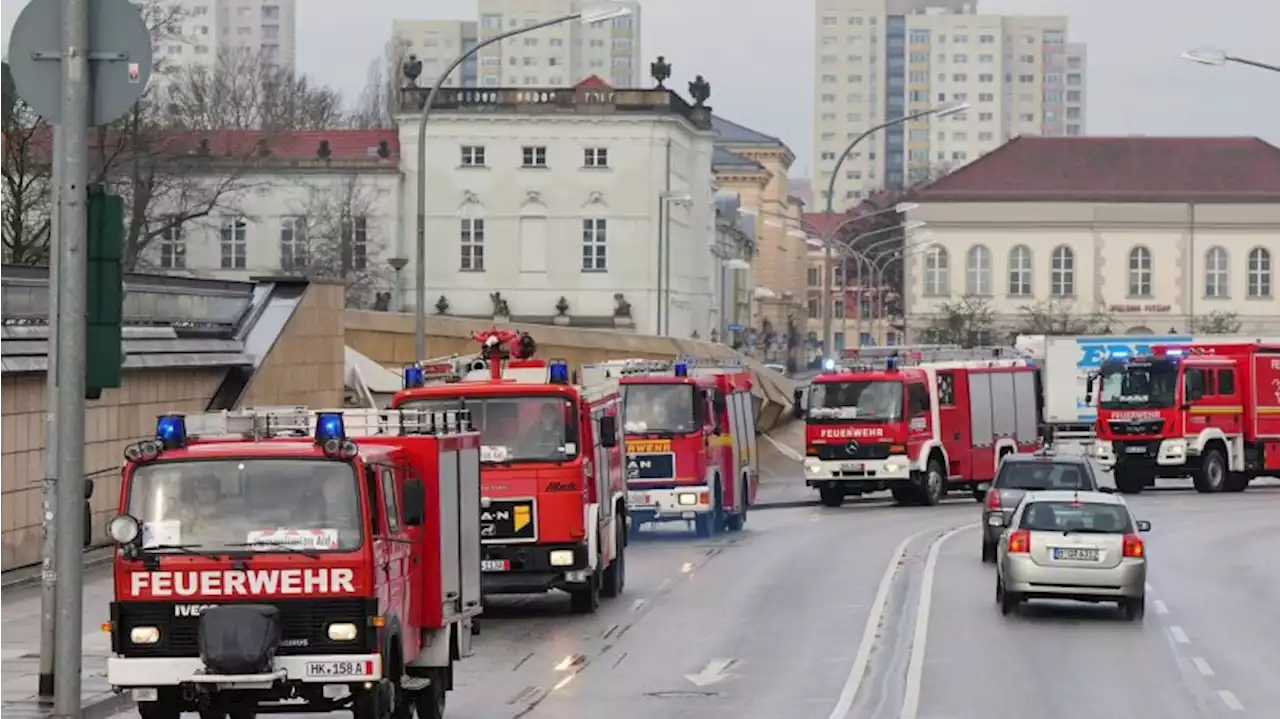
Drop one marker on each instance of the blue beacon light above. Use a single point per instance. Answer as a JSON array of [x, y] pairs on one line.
[[171, 430], [558, 372], [413, 376], [891, 364], [329, 425], [682, 369]]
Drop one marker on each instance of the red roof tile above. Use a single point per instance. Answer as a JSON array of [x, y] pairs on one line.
[[1117, 169], [593, 82]]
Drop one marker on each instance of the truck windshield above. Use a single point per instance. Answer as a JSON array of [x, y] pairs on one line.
[[1138, 385], [869, 400], [526, 428], [260, 505], [659, 408]]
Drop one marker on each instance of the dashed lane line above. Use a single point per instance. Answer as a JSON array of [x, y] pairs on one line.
[[915, 666], [1230, 700], [1161, 607], [1179, 635], [1202, 666]]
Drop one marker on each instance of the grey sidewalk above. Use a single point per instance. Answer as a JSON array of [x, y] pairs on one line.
[[20, 648]]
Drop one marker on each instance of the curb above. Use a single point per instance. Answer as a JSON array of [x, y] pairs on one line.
[[30, 575], [790, 504], [103, 706]]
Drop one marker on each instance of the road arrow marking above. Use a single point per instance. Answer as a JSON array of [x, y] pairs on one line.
[[712, 673]]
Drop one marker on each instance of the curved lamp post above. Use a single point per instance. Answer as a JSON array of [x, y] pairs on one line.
[[587, 16], [1218, 58], [940, 111]]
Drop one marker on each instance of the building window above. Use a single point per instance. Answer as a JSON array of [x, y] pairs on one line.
[[173, 248], [812, 307], [472, 244], [837, 309], [354, 243], [1259, 272], [814, 276], [1020, 271], [1139, 272], [977, 279], [595, 253], [293, 244], [473, 155], [535, 156], [1062, 272], [234, 245], [937, 273], [595, 157], [1215, 273]]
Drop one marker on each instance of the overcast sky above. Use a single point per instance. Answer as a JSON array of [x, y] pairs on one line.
[[758, 57]]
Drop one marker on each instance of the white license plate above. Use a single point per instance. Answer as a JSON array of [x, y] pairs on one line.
[[851, 467], [1136, 450], [495, 565], [339, 669], [147, 694], [1075, 554]]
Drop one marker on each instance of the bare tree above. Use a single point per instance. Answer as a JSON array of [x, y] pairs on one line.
[[968, 321], [1060, 318], [335, 233], [1217, 323], [376, 106], [246, 89], [27, 180]]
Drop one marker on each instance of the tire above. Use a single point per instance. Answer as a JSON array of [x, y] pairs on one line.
[[735, 521], [615, 575], [1009, 601], [1129, 483], [903, 493], [988, 552], [831, 496], [1236, 482], [1134, 608], [1213, 473], [586, 600], [704, 526], [366, 705], [933, 485], [165, 708], [429, 703]]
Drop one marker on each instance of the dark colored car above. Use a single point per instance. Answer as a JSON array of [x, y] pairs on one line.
[[1042, 471]]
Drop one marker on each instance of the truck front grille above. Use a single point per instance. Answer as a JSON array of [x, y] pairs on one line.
[[840, 452]]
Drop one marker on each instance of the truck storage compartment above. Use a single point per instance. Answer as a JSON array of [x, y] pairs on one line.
[[239, 638]]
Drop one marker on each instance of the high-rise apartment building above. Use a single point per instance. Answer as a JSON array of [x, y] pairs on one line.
[[212, 26], [558, 56], [877, 60]]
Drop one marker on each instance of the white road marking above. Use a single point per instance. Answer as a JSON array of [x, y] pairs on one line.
[[1203, 666], [784, 449], [915, 666], [635, 607], [1161, 608], [867, 643], [665, 583], [715, 671], [1230, 700], [1179, 635]]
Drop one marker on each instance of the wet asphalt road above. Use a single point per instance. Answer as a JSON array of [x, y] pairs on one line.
[[794, 618]]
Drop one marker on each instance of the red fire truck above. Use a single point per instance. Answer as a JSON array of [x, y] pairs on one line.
[[553, 507], [1208, 410], [938, 420], [266, 557], [690, 436]]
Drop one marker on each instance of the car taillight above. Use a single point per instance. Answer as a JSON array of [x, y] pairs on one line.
[[1020, 541], [993, 498], [1133, 546]]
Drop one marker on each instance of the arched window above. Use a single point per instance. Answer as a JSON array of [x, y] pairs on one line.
[[937, 272], [1062, 272], [1139, 272], [1020, 271], [1215, 273], [1259, 272], [977, 277]]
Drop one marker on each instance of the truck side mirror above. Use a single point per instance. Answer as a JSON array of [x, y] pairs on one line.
[[88, 488], [797, 403], [608, 431], [88, 523], [414, 503]]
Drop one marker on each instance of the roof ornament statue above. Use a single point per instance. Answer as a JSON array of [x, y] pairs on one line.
[[412, 68], [660, 70], [700, 91]]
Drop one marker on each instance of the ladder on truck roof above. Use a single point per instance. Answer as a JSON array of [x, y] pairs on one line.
[[272, 422], [930, 354], [879, 352]]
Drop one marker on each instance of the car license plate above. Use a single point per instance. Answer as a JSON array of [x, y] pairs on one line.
[[339, 669], [495, 565], [145, 694], [851, 467], [1075, 554], [1136, 450]]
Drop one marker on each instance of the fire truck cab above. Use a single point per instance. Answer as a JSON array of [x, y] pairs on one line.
[[1208, 410], [553, 511], [690, 441], [918, 424], [269, 561]]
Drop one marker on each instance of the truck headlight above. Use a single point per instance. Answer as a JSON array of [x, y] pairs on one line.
[[342, 632], [687, 499], [561, 558], [144, 635], [892, 467], [813, 467]]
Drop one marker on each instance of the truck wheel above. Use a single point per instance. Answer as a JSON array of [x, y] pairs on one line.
[[1130, 483], [1236, 482], [366, 704], [586, 600], [903, 493], [933, 485], [615, 575], [166, 707], [734, 522], [1212, 474], [430, 702], [831, 496]]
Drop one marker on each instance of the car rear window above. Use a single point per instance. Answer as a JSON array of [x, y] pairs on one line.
[[1075, 517], [1066, 476]]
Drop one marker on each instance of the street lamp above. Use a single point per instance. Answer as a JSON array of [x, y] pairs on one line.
[[587, 16], [1219, 58], [947, 108], [667, 198]]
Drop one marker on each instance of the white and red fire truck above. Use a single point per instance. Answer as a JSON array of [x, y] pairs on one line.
[[918, 424]]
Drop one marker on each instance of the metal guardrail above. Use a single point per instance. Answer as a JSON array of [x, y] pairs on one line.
[[149, 300]]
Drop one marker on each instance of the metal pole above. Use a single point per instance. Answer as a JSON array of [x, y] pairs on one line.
[[662, 209], [666, 272], [72, 306], [48, 492], [1253, 63], [420, 255]]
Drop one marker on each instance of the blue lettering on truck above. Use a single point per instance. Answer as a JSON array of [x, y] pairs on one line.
[[1094, 350]]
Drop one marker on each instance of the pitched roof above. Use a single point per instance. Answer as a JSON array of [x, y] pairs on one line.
[[1117, 169], [731, 133], [593, 82], [283, 146], [721, 157]]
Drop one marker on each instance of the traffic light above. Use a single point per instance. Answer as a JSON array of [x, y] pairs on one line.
[[103, 350]]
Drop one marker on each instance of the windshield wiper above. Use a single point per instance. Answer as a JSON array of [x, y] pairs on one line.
[[295, 550], [181, 548]]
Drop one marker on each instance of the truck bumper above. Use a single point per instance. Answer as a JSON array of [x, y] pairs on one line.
[[138, 672], [532, 568], [817, 473], [1146, 454], [669, 505]]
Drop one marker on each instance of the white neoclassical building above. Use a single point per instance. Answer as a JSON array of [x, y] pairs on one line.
[[1147, 234]]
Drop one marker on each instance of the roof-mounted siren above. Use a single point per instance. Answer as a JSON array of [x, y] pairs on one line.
[[891, 363], [413, 376], [557, 371], [331, 435], [171, 431], [681, 369]]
